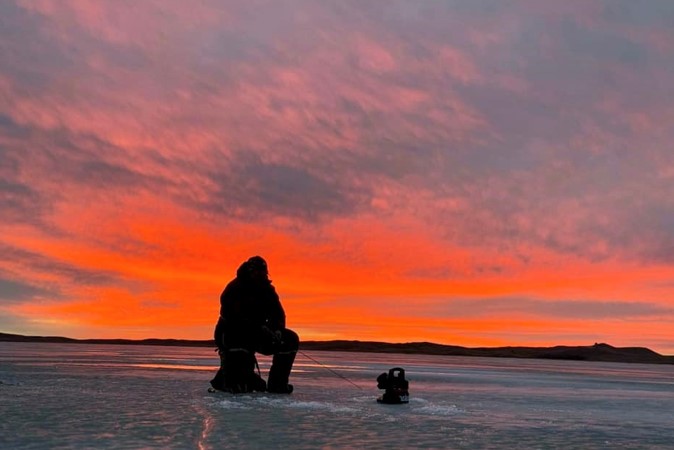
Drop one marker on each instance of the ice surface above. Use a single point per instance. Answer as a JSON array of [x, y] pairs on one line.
[[104, 396]]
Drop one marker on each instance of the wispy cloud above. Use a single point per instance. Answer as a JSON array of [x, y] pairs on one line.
[[552, 309], [13, 291], [477, 148]]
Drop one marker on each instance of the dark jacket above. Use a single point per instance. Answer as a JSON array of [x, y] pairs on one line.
[[246, 307]]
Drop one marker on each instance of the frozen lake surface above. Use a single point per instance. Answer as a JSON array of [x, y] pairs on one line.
[[107, 396]]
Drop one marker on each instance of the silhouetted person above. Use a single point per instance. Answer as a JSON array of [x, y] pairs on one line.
[[253, 320]]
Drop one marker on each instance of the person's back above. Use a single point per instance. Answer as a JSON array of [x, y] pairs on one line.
[[252, 320], [250, 302]]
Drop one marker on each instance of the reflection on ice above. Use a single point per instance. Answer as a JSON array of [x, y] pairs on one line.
[[169, 366]]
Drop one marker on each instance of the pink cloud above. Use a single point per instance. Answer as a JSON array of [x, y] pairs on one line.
[[433, 150]]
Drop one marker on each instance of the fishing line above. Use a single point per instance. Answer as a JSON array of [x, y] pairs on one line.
[[327, 368]]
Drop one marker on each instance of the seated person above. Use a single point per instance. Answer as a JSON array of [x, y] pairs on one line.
[[253, 320]]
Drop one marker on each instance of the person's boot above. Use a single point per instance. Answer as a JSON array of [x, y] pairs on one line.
[[240, 368], [219, 381], [281, 365], [256, 383]]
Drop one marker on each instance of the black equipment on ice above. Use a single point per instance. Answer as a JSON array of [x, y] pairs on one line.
[[396, 386]]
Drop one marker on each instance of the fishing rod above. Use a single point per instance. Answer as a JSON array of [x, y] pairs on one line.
[[327, 368]]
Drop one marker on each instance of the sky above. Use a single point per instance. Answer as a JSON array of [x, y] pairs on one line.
[[474, 173]]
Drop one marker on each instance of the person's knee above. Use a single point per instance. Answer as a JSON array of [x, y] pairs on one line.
[[291, 339]]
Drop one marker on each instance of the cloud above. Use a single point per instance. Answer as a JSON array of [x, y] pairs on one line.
[[628, 13], [15, 291], [426, 144], [517, 124], [25, 261], [19, 201], [558, 309], [251, 188]]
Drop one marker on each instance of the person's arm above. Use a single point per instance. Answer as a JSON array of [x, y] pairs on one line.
[[232, 308], [276, 315]]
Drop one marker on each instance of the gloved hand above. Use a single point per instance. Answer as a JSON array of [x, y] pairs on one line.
[[274, 335]]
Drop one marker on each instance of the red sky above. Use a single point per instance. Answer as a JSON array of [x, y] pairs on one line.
[[474, 173]]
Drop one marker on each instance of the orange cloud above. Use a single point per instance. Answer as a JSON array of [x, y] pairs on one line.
[[453, 174]]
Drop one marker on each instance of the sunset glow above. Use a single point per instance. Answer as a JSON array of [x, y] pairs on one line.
[[474, 173]]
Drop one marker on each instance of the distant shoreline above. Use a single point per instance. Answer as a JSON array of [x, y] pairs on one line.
[[596, 352]]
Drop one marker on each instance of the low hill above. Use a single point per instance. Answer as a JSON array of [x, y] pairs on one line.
[[64, 340], [596, 352]]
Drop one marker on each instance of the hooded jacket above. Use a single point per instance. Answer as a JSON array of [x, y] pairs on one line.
[[247, 305]]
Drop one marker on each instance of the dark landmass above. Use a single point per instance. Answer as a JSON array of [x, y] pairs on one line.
[[596, 352], [64, 340]]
